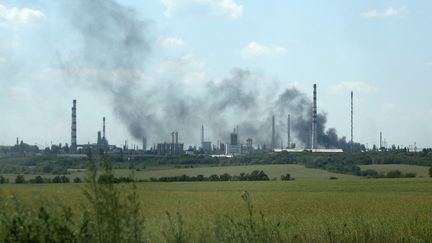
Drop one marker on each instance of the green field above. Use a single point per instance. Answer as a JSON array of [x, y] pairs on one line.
[[311, 210], [299, 172]]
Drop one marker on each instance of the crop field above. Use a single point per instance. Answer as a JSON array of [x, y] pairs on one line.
[[421, 171], [299, 172], [363, 210]]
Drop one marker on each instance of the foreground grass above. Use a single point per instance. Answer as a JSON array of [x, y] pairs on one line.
[[384, 210]]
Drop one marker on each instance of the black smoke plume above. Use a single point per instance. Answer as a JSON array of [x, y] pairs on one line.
[[115, 46]]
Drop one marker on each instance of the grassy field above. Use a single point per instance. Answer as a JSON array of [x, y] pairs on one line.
[[421, 171], [299, 172], [311, 210]]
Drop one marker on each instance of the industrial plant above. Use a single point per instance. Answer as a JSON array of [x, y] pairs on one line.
[[235, 145]]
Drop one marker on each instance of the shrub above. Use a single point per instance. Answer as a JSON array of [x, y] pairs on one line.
[[3, 180], [286, 177], [20, 179], [410, 175], [394, 174], [370, 173]]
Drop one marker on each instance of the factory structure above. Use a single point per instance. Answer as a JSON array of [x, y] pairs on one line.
[[231, 148]]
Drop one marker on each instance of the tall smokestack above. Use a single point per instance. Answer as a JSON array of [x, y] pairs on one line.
[[273, 142], [314, 118], [176, 147], [103, 128], [202, 134], [289, 132], [380, 141], [172, 137], [352, 121], [144, 144], [74, 129], [237, 131]]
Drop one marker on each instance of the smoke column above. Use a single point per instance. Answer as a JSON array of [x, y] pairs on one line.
[[114, 50]]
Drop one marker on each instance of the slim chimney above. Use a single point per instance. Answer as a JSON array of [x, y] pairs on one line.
[[289, 131], [202, 134], [103, 129], [172, 137], [352, 121], [237, 131], [273, 144], [144, 144], [314, 119], [74, 129], [381, 145], [176, 147]]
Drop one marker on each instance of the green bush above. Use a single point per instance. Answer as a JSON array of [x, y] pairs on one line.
[[3, 180], [20, 179]]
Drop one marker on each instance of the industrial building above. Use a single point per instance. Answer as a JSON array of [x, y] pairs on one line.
[[233, 147], [173, 148], [205, 145]]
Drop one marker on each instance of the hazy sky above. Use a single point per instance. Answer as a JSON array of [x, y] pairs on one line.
[[382, 50]]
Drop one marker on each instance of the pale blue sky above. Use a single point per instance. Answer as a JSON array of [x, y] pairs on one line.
[[380, 49]]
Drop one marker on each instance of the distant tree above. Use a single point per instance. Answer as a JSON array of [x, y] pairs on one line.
[[3, 180], [77, 180], [263, 176], [410, 175], [64, 179], [286, 177], [38, 180], [370, 173], [56, 179], [214, 178], [19, 179], [225, 177], [394, 174]]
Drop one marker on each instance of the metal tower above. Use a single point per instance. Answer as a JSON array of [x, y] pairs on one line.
[[273, 144], [74, 129], [314, 118], [352, 121], [289, 132]]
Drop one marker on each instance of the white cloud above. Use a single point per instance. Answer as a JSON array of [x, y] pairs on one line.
[[220, 7], [19, 15], [3, 60], [390, 12], [255, 49], [20, 94], [388, 107], [187, 69], [356, 86], [171, 42]]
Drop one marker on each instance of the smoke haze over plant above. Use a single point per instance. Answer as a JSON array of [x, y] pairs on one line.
[[116, 45]]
